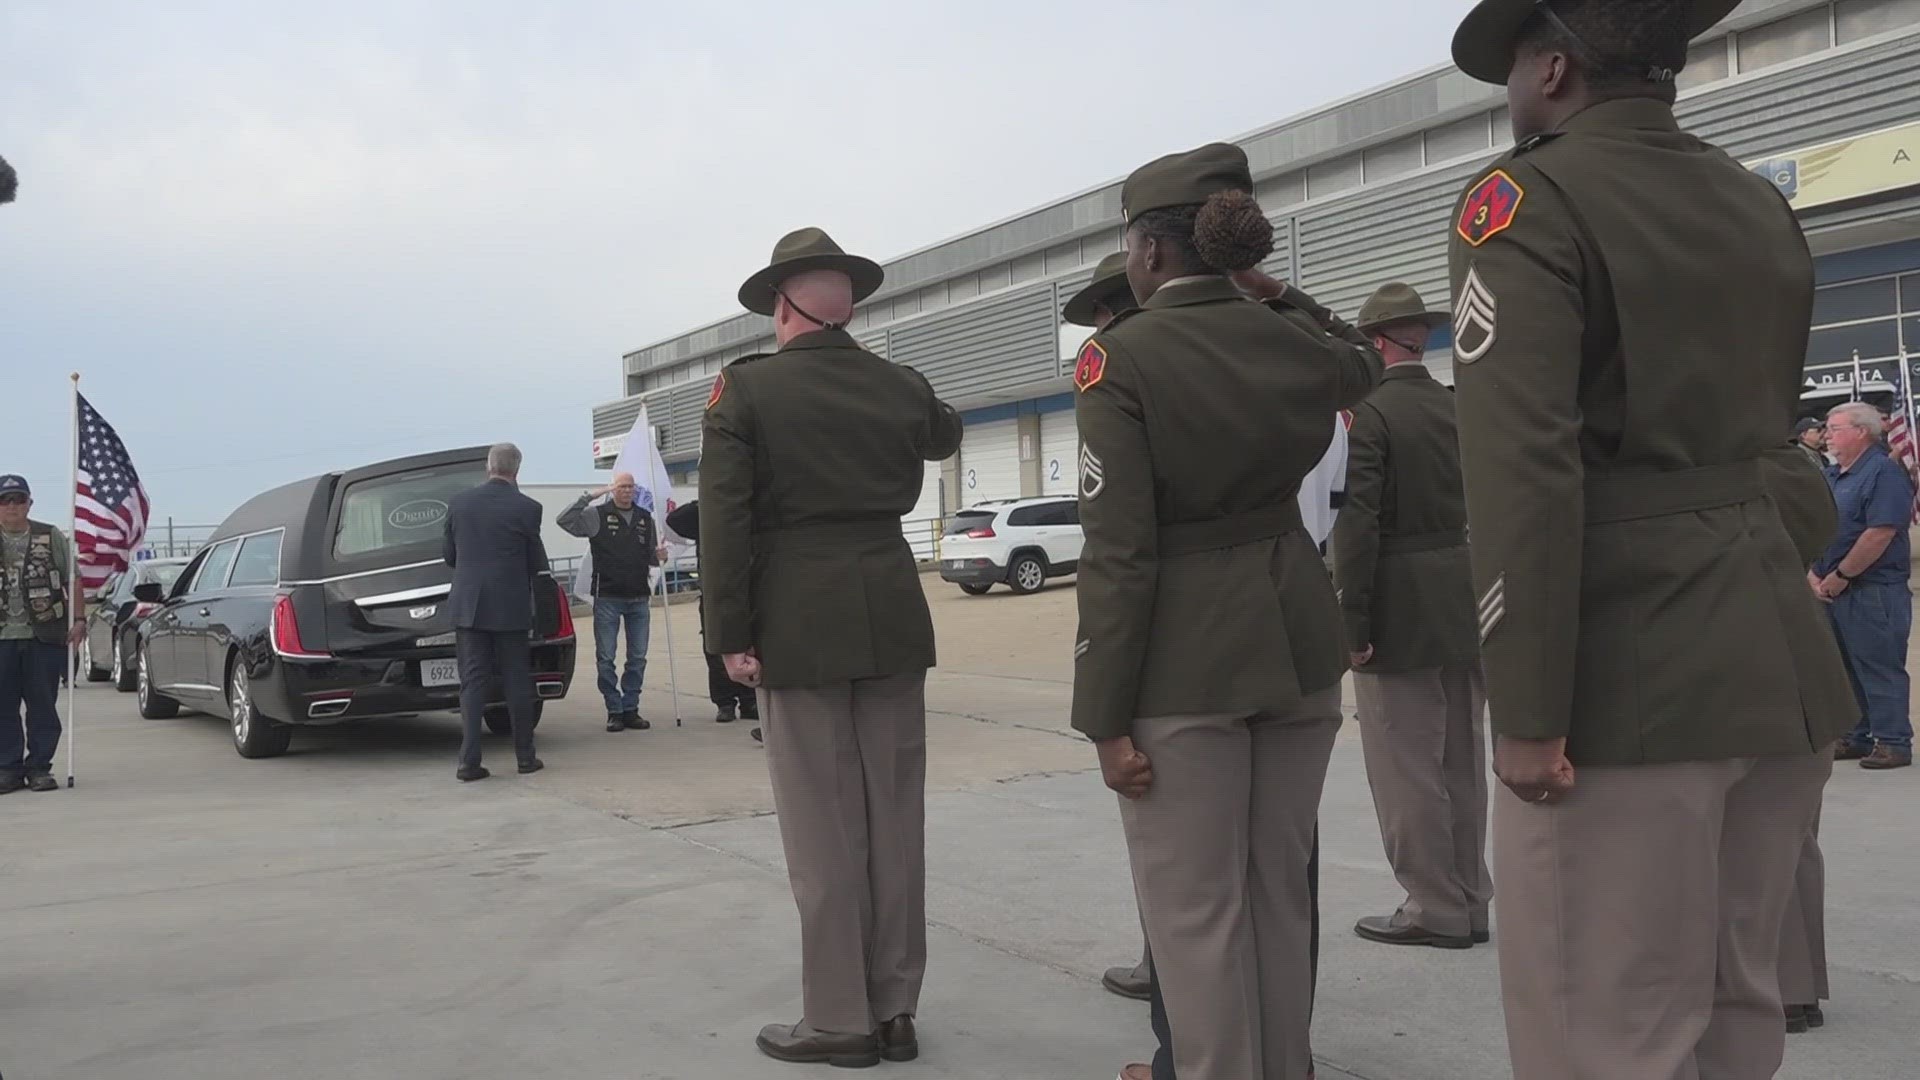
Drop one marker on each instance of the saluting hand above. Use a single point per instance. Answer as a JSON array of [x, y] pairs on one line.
[[1537, 770], [743, 668], [1124, 768], [1258, 284]]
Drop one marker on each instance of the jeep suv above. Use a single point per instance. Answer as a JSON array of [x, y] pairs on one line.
[[1019, 543]]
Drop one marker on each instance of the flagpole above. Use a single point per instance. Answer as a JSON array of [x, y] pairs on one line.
[[666, 616], [76, 591], [1856, 375]]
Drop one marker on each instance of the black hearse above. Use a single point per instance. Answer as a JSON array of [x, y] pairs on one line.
[[322, 602]]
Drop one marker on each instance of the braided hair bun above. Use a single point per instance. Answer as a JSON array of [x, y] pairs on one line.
[[1230, 232]]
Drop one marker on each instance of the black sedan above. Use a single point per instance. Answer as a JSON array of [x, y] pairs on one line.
[[111, 619]]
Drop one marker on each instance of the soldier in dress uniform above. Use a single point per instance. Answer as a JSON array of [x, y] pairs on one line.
[[1630, 321], [1203, 669], [1097, 303], [1406, 591], [810, 458]]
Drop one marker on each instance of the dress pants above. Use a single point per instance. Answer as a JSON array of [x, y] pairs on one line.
[[490, 659], [1803, 934], [1640, 918], [849, 770], [1221, 845], [1425, 741]]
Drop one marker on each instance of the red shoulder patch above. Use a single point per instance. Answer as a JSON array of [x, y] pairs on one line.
[[1490, 208], [1091, 367], [719, 388]]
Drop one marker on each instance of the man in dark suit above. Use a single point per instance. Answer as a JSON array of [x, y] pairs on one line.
[[493, 545]]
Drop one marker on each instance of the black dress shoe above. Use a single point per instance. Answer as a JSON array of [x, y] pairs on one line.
[[1816, 1018], [1128, 982], [634, 721], [531, 765], [1796, 1019], [726, 715], [806, 1045], [472, 772], [898, 1042], [1851, 751], [42, 782], [1481, 937], [10, 783], [616, 721], [1390, 930]]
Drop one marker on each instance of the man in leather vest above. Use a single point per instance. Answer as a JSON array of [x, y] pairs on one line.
[[1664, 703], [41, 617], [626, 547], [1406, 594]]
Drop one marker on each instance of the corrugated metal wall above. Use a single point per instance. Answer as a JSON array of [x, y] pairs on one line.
[[1398, 233], [1829, 98], [998, 344]]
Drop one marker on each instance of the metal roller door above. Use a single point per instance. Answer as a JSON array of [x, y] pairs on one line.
[[922, 524], [1059, 453], [990, 462]]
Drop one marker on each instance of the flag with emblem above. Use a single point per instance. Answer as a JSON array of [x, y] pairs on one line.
[[109, 503], [639, 455], [1900, 439]]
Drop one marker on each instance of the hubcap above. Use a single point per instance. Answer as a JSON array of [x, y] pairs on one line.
[[86, 657], [1030, 576], [119, 665], [145, 666], [242, 704]]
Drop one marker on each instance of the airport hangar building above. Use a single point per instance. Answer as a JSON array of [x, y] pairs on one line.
[[1822, 97]]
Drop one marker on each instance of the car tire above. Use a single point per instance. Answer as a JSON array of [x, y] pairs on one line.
[[254, 735], [153, 704], [125, 676], [1027, 574], [975, 590], [500, 721], [93, 674]]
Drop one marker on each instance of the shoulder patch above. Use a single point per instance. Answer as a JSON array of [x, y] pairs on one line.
[[719, 388], [1490, 208], [1091, 367]]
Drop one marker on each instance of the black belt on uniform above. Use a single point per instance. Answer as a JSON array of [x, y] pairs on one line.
[[1614, 497], [1188, 537], [1405, 543], [826, 534]]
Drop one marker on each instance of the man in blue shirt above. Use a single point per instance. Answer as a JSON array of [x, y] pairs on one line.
[[1863, 576]]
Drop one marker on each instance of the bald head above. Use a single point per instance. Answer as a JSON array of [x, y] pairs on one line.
[[826, 296], [624, 488]]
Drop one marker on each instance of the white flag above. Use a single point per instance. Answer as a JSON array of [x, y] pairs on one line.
[[639, 455]]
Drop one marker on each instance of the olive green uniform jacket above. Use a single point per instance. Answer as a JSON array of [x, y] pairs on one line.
[[810, 458], [1400, 542], [1631, 315], [1199, 590]]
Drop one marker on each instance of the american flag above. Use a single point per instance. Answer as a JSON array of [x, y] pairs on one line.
[[110, 505], [1900, 440]]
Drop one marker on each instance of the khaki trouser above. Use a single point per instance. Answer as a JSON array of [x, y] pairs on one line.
[[1640, 918], [849, 769], [1220, 847], [1803, 934], [1424, 734]]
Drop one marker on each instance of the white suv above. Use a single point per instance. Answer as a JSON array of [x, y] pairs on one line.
[[1019, 543]]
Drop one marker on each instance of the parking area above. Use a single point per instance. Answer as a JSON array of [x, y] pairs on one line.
[[350, 911]]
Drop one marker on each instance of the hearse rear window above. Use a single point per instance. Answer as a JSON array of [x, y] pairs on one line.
[[402, 510]]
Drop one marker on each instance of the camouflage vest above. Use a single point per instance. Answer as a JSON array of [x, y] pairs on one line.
[[42, 586]]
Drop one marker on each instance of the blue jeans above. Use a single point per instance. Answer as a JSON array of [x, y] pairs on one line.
[[609, 612], [30, 677], [1873, 622]]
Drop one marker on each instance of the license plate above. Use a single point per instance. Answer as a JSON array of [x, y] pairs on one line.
[[439, 673], [953, 564]]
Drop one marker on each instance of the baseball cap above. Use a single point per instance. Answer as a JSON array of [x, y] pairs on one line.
[[1806, 424], [15, 484]]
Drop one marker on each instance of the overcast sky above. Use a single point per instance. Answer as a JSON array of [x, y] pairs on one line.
[[281, 238]]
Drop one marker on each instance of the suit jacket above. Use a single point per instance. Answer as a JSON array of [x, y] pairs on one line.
[[493, 544], [810, 458], [1628, 347], [1200, 590], [1400, 544]]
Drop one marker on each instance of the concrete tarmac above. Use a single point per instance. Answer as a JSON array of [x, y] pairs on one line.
[[350, 911]]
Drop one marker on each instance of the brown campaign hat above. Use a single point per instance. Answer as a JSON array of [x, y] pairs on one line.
[[1109, 287], [1185, 179], [1397, 302], [1483, 45], [803, 250]]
